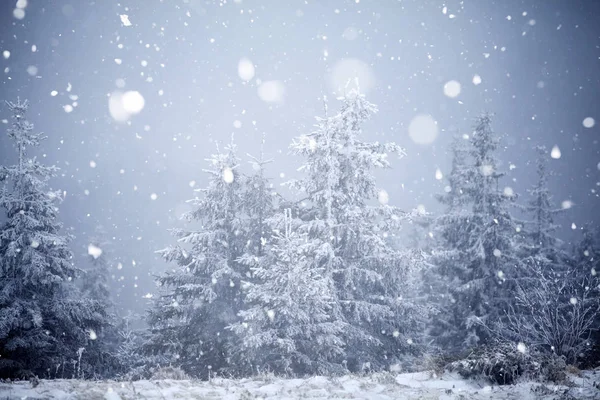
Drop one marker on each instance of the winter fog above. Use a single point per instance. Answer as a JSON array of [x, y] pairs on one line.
[[233, 188]]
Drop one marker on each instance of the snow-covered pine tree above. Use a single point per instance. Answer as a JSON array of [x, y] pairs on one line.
[[447, 265], [44, 322], [487, 289], [95, 286], [541, 249], [202, 295], [97, 273], [585, 276], [289, 326], [479, 255], [258, 204], [339, 187]]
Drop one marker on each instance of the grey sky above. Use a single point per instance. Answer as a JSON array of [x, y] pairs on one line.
[[538, 62]]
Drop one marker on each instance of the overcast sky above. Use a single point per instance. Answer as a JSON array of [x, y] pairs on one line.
[[210, 69]]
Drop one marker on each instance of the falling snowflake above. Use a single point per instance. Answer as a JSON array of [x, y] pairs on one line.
[[125, 19]]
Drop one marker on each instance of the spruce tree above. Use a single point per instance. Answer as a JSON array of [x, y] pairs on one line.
[[97, 273], [446, 268], [95, 286], [289, 326], [45, 325], [487, 290], [557, 304], [479, 257], [369, 275], [202, 296], [258, 204]]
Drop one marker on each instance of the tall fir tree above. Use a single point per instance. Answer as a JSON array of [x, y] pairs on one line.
[[542, 313], [479, 256], [541, 247], [450, 234], [97, 274], [95, 286], [289, 325], [488, 290], [258, 203], [369, 275], [45, 325], [202, 296]]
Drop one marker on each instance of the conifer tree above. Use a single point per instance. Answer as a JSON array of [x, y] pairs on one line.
[[258, 204], [479, 257], [202, 295], [289, 325], [97, 273], [488, 290], [540, 230], [450, 233], [45, 324], [95, 286], [369, 274]]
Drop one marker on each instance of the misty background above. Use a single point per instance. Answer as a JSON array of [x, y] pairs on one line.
[[534, 64]]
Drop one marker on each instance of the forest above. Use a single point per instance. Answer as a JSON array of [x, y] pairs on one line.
[[325, 285], [299, 199]]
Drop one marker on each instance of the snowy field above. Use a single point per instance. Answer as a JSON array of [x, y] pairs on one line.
[[375, 387]]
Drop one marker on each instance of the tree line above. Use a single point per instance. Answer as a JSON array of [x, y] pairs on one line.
[[323, 282]]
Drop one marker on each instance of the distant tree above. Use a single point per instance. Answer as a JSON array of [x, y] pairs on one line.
[[97, 274], [95, 286], [556, 308], [45, 324], [258, 204], [585, 276], [479, 258], [289, 326], [541, 246], [202, 295], [368, 273], [450, 235]]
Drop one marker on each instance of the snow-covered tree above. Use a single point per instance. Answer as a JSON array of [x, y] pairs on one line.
[[480, 256], [97, 273], [202, 295], [290, 326], [450, 235], [555, 308], [44, 322], [338, 190], [542, 247], [585, 276], [586, 269], [258, 204]]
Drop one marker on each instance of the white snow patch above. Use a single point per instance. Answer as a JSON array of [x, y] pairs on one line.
[[379, 386]]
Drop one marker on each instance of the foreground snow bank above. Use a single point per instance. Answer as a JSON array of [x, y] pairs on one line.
[[374, 387]]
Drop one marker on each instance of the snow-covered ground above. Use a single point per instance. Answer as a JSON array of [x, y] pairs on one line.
[[374, 387]]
